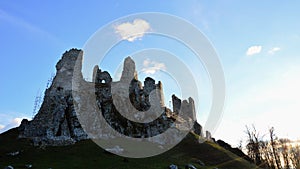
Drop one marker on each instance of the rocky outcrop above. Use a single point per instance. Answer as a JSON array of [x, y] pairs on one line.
[[57, 122]]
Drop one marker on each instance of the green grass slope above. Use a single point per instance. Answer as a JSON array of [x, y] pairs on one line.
[[87, 155]]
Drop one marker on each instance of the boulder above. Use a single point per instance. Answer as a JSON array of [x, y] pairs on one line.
[[9, 167], [201, 163], [173, 166], [190, 166], [28, 166]]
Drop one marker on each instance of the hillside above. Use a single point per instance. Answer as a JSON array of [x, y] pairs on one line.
[[74, 110], [86, 154]]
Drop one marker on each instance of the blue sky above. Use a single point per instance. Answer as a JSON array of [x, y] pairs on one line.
[[258, 43]]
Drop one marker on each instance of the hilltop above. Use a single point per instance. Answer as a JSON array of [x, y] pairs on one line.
[[76, 111]]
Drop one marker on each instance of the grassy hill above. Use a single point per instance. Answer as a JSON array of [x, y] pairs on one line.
[[87, 155]]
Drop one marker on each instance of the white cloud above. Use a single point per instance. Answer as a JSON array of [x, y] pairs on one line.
[[253, 50], [132, 31], [151, 67], [14, 123], [273, 50]]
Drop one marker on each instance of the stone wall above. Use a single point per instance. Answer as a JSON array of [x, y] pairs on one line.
[[56, 122], [208, 136], [197, 128]]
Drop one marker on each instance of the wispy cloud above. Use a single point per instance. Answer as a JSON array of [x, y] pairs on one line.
[[274, 50], [23, 24], [14, 123], [151, 67], [253, 50], [132, 31]]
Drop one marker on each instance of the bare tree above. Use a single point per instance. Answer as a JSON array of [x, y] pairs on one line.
[[240, 145], [274, 145], [39, 97], [273, 153], [253, 145], [50, 80], [295, 156], [267, 154], [37, 103], [285, 152]]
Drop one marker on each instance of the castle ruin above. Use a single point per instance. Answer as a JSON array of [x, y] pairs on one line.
[[57, 122]]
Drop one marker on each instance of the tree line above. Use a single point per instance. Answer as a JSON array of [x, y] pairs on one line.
[[273, 152]]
